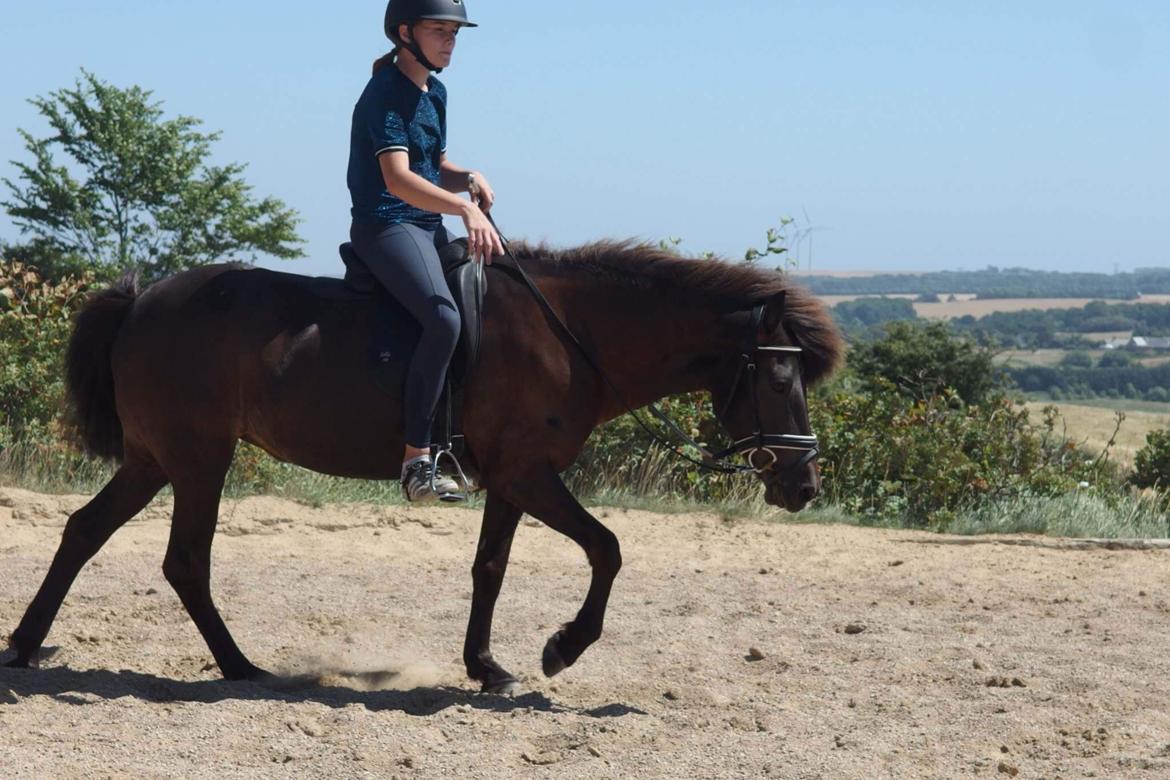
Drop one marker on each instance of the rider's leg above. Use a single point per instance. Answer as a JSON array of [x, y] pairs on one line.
[[405, 260]]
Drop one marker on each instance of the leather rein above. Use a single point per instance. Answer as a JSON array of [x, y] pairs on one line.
[[771, 444]]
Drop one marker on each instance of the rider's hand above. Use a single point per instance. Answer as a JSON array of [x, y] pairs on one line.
[[483, 242], [481, 191]]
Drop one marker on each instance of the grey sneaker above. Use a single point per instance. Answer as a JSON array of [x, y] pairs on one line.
[[418, 488]]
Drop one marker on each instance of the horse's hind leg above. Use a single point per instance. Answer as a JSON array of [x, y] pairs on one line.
[[187, 566], [136, 482]]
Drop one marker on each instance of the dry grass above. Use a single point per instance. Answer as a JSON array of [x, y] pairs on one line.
[[1094, 425]]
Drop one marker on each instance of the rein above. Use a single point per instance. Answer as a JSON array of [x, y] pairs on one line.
[[768, 443]]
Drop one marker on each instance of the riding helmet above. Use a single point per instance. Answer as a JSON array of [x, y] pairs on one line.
[[410, 11]]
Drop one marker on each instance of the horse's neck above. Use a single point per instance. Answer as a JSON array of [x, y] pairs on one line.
[[650, 345]]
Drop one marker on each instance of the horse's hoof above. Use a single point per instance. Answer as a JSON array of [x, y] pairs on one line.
[[18, 663], [252, 674], [506, 687], [551, 660]]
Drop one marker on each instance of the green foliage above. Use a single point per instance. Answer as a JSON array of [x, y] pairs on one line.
[[1151, 465], [923, 360], [617, 454], [1116, 358], [1077, 359], [886, 455], [778, 240], [862, 314], [135, 191], [35, 323]]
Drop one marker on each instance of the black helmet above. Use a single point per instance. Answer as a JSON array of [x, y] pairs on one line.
[[400, 12], [410, 11]]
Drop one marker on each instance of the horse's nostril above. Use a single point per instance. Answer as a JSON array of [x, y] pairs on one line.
[[808, 492]]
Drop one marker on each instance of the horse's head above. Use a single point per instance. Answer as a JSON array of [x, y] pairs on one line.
[[761, 402]]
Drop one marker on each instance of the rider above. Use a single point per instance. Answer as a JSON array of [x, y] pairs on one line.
[[401, 184]]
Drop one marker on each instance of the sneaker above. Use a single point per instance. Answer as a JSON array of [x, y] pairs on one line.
[[418, 488]]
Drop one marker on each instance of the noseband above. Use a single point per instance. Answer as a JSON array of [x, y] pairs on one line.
[[768, 443]]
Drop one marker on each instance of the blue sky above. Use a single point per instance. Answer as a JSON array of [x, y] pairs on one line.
[[913, 135]]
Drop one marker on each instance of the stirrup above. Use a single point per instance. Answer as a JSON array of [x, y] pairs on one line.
[[449, 498]]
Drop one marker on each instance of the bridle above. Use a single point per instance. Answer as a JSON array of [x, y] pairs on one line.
[[768, 443], [771, 444]]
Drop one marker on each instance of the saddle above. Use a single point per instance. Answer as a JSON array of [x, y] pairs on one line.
[[394, 334]]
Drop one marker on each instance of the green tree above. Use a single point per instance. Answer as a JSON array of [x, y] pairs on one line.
[[1115, 359], [1077, 359], [922, 360], [136, 191]]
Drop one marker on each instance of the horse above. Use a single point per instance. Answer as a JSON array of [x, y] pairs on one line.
[[166, 381]]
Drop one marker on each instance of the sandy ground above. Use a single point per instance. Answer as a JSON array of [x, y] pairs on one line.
[[884, 654]]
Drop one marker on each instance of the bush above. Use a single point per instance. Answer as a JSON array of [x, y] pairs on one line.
[[36, 318], [1115, 358], [922, 361], [1077, 359], [1151, 465], [885, 455]]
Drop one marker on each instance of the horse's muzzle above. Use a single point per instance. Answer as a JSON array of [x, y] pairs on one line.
[[794, 494]]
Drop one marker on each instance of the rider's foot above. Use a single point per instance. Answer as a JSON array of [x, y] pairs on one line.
[[419, 488]]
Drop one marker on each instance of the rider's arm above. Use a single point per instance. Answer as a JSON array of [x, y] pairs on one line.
[[452, 177], [406, 185]]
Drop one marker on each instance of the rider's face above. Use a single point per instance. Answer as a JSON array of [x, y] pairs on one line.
[[437, 40]]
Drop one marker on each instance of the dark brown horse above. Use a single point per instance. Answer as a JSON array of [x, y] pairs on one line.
[[167, 381]]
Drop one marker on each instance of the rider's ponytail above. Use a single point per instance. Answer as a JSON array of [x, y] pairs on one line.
[[385, 60]]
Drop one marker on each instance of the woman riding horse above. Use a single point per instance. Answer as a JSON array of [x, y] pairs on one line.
[[401, 183]]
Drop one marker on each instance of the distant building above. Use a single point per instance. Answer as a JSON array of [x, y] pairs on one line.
[[1149, 342]]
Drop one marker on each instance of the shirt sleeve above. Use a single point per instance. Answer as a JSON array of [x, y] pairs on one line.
[[388, 132]]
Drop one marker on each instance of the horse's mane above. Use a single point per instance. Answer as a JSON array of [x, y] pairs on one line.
[[738, 284]]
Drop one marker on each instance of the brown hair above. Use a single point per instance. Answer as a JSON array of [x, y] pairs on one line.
[[386, 59]]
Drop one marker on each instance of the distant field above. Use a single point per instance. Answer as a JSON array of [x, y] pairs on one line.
[[966, 304], [950, 311], [1092, 423], [1050, 358]]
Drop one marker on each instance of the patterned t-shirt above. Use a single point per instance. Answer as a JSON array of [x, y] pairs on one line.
[[393, 114]]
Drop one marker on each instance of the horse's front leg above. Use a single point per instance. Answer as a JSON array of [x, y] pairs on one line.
[[543, 495], [491, 561]]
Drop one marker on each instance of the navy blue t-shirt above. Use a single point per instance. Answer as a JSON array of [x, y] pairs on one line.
[[393, 114]]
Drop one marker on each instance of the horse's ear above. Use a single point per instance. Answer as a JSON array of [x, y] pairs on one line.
[[773, 313]]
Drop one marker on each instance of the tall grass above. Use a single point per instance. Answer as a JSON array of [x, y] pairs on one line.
[[1138, 515], [645, 484]]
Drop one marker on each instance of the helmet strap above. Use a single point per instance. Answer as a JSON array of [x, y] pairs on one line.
[[413, 47]]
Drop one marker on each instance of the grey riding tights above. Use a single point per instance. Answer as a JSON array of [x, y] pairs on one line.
[[405, 259]]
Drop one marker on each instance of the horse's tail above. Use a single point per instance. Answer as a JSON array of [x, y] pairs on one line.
[[89, 376]]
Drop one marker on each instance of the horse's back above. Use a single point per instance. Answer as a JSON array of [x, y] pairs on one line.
[[241, 350]]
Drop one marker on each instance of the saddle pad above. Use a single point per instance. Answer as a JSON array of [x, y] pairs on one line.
[[395, 333]]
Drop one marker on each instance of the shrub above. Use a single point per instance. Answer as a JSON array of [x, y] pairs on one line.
[[885, 455], [1115, 358], [35, 323], [1151, 465], [1077, 359], [921, 361]]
